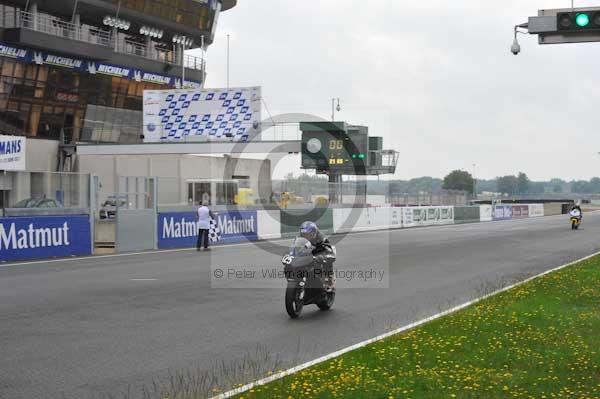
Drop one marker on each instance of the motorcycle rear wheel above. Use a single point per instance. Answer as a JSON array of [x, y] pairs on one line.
[[293, 303]]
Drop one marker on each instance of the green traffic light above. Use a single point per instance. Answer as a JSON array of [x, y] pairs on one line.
[[354, 156], [361, 156], [582, 20]]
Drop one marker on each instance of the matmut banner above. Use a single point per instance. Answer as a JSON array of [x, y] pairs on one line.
[[216, 114], [44, 237], [180, 229]]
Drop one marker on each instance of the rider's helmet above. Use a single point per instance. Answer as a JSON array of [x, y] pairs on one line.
[[309, 230]]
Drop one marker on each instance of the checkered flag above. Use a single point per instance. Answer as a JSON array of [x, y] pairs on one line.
[[214, 234]]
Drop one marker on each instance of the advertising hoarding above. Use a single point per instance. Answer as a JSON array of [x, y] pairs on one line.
[[12, 153], [91, 67], [44, 237], [180, 229], [502, 212], [520, 211]]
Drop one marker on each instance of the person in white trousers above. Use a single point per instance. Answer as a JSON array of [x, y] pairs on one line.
[[204, 216]]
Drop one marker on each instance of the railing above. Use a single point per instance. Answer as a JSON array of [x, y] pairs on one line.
[[167, 56], [56, 27], [192, 62], [89, 34], [134, 48]]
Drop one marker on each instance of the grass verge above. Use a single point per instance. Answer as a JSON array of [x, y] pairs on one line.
[[538, 340]]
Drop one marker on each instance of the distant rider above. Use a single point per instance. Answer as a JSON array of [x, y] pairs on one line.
[[577, 208], [322, 249]]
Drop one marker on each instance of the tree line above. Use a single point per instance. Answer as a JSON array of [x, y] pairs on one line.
[[519, 184]]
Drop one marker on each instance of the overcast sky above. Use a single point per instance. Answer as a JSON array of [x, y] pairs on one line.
[[435, 78]]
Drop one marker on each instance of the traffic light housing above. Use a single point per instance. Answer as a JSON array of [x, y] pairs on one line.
[[578, 21]]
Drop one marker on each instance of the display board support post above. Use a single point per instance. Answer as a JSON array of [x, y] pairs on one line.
[[335, 188]]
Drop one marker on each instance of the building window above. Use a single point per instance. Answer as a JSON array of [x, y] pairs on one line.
[[43, 100], [192, 13]]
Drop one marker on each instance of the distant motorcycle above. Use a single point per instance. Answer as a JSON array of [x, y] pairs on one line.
[[307, 282], [575, 219]]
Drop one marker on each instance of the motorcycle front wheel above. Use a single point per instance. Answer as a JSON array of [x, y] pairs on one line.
[[293, 302], [327, 303]]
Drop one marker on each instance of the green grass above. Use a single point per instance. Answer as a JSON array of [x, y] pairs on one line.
[[538, 340]]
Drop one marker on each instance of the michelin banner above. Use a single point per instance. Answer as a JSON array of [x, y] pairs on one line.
[[180, 229], [12, 153], [90, 66], [44, 237], [216, 115]]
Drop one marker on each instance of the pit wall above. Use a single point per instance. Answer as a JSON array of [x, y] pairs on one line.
[[468, 214], [552, 209], [486, 213], [366, 219], [356, 220], [70, 235], [44, 237]]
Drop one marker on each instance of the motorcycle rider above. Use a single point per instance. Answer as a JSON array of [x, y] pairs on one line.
[[322, 250], [576, 207]]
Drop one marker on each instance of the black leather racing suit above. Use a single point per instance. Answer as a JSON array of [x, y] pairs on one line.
[[323, 252]]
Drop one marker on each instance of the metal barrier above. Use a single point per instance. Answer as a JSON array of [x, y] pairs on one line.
[[136, 214]]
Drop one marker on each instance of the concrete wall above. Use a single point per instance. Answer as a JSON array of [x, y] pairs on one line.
[[467, 214], [269, 224], [42, 155], [485, 212], [552, 209], [173, 171]]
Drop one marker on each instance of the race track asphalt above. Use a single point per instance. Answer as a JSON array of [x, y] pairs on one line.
[[88, 327]]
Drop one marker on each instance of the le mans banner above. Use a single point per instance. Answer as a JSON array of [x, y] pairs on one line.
[[12, 153]]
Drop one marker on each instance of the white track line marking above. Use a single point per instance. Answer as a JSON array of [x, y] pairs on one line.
[[362, 344], [143, 279], [391, 231]]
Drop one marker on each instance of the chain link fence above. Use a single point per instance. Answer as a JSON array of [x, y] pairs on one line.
[[294, 194]]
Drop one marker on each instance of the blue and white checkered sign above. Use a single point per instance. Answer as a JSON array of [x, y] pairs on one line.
[[217, 114]]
